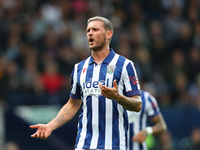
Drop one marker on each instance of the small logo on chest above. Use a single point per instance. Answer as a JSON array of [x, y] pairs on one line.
[[84, 69], [111, 69]]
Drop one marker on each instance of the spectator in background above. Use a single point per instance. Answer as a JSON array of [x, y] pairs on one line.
[[194, 91], [196, 36], [124, 46], [183, 41], [12, 146], [30, 72], [193, 63], [195, 139], [14, 41], [48, 46], [165, 142], [102, 7], [52, 14], [175, 65], [172, 23], [11, 83], [193, 14], [157, 44], [52, 80], [180, 95], [143, 62]]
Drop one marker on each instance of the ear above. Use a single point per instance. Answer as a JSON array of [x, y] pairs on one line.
[[109, 34]]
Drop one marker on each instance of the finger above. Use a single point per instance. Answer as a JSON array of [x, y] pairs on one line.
[[40, 133], [102, 87], [34, 135], [33, 126], [43, 134]]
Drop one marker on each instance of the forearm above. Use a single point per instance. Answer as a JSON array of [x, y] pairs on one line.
[[129, 103], [159, 127], [66, 113], [159, 124]]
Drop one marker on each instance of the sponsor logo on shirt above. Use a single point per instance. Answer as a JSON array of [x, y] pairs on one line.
[[92, 87]]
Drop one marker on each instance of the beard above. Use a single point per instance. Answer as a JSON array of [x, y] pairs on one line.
[[99, 46]]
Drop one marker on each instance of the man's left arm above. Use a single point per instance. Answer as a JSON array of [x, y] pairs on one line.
[[133, 103]]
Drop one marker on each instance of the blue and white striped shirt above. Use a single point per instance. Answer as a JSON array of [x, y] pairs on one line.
[[103, 123], [138, 121]]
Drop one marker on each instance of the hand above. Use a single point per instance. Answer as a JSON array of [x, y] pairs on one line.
[[140, 137], [43, 131], [110, 93]]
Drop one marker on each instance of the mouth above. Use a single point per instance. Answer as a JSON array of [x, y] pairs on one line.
[[91, 41]]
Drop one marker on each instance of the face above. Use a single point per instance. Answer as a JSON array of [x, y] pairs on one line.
[[96, 35]]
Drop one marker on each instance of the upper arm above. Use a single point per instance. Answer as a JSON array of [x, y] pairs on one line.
[[155, 119], [75, 103]]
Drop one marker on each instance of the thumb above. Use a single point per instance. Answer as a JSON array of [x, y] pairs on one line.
[[115, 84]]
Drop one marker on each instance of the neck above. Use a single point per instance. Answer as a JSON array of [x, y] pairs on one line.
[[99, 56]]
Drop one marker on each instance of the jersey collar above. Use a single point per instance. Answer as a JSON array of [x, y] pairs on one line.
[[107, 59]]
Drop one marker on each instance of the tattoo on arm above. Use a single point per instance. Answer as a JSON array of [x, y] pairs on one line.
[[160, 126], [61, 119], [128, 103], [66, 112]]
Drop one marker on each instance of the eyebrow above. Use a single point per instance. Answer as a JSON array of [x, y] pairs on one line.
[[94, 28]]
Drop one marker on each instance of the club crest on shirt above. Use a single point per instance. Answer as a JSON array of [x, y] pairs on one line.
[[111, 69]]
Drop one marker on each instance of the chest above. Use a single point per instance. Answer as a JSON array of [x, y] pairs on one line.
[[92, 75]]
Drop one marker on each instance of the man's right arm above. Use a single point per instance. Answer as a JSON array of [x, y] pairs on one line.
[[66, 113]]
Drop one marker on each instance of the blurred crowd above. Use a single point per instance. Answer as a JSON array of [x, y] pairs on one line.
[[41, 40]]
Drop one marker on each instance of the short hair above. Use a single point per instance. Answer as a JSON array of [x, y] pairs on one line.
[[107, 23]]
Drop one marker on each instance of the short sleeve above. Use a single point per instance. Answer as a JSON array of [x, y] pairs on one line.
[[130, 80], [152, 107], [75, 88]]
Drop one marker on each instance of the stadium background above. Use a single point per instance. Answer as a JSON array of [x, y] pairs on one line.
[[41, 40]]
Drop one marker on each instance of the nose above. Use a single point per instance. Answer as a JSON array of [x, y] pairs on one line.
[[89, 34]]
